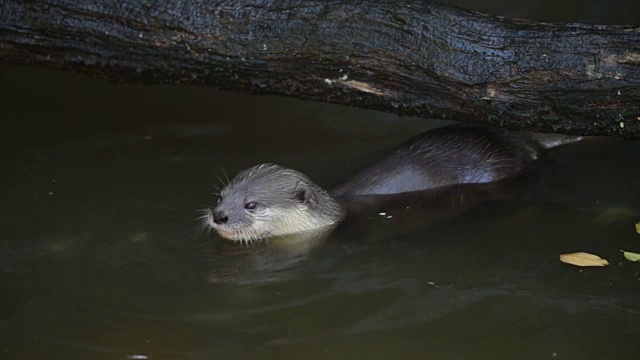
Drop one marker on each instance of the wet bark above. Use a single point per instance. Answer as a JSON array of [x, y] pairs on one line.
[[406, 56]]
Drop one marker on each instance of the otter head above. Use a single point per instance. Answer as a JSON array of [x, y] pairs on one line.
[[270, 200]]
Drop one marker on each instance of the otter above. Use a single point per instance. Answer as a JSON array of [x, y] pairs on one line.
[[270, 200]]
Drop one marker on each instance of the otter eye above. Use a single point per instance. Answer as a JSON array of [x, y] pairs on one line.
[[250, 205]]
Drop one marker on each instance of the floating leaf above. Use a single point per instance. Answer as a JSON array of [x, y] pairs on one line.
[[631, 256], [583, 259], [638, 227]]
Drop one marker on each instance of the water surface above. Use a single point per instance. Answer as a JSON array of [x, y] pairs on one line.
[[101, 257]]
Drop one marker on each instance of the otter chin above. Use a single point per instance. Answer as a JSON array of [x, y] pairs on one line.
[[270, 200]]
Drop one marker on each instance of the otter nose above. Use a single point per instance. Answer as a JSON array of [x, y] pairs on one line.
[[220, 216]]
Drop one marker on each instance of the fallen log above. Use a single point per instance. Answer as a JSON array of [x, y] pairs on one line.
[[408, 56]]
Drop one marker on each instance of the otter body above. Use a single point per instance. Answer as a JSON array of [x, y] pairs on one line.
[[456, 154], [270, 200]]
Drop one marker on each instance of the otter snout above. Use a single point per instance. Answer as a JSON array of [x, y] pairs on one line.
[[219, 216]]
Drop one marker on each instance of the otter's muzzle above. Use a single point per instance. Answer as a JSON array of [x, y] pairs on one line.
[[219, 216]]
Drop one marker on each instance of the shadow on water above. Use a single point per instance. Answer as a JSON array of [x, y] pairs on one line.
[[101, 257]]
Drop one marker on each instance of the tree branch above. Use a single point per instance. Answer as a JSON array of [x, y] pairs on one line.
[[407, 56]]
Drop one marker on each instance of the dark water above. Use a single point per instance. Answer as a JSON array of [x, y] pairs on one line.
[[101, 258]]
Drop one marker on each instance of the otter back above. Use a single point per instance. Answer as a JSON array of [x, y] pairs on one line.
[[456, 154]]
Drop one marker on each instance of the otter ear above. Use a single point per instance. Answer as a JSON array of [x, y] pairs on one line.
[[301, 193]]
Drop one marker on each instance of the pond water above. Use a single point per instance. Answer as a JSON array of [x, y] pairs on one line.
[[102, 258]]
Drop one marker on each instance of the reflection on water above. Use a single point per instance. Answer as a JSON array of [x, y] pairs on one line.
[[101, 257]]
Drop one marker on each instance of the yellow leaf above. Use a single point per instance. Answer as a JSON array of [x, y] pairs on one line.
[[583, 259], [638, 227], [631, 256]]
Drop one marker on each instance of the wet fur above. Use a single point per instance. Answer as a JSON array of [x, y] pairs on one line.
[[289, 202], [457, 154]]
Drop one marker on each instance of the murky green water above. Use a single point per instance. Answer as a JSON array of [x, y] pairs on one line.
[[101, 258]]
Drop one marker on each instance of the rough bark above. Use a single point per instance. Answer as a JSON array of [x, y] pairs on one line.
[[405, 56]]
